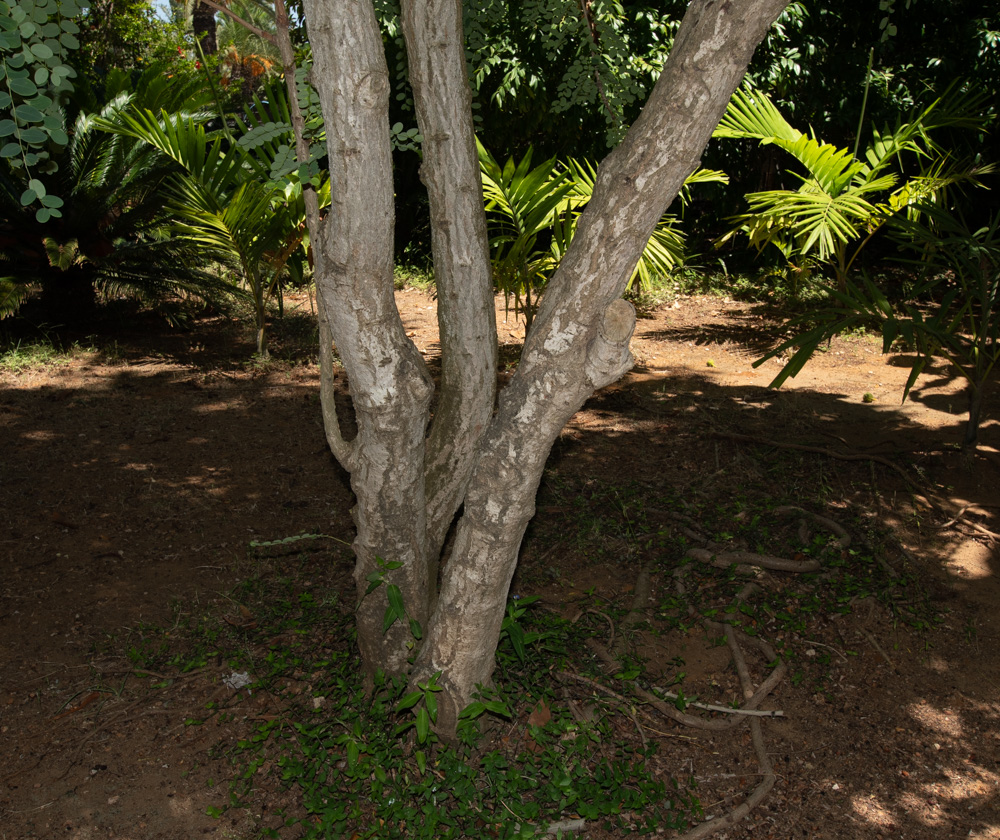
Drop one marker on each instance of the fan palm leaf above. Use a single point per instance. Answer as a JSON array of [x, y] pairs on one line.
[[843, 200]]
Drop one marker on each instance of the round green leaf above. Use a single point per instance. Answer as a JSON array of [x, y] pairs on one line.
[[27, 29], [41, 76], [42, 51], [59, 136], [30, 158], [41, 102], [27, 197], [28, 113], [37, 187], [10, 41], [42, 214], [69, 41], [18, 14], [7, 24], [23, 87], [69, 26], [51, 30], [10, 150], [5, 101], [33, 135], [7, 128], [52, 201], [15, 62]]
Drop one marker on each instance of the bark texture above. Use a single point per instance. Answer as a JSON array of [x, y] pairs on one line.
[[466, 317], [205, 27], [390, 385], [579, 342], [408, 485]]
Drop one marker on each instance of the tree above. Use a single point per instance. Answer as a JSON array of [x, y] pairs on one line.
[[413, 469]]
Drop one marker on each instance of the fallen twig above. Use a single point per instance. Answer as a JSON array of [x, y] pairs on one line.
[[726, 710], [878, 647]]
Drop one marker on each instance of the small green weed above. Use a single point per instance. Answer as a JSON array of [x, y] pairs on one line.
[[414, 277], [359, 779], [369, 765], [23, 356]]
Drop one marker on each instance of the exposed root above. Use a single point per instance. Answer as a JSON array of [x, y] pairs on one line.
[[842, 456], [959, 519], [746, 560], [752, 801], [843, 538], [663, 708]]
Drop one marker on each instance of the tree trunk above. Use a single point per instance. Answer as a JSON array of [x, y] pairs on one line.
[[204, 25], [462, 272], [389, 381], [409, 487]]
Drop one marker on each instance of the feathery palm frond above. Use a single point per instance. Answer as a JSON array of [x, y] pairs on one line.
[[843, 201]]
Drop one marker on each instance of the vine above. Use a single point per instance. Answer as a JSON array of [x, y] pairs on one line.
[[36, 37]]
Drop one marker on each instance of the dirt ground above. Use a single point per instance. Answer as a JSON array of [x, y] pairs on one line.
[[135, 475]]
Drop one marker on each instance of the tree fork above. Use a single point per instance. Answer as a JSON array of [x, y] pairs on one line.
[[407, 487]]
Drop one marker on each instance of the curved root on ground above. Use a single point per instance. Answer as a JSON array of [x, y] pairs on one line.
[[736, 640]]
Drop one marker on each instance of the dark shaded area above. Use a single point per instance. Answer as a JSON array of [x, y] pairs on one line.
[[130, 496]]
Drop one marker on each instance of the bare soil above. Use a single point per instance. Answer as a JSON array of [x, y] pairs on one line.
[[137, 474]]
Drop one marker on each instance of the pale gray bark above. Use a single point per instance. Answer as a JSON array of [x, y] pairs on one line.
[[408, 491], [466, 317], [390, 386], [580, 339]]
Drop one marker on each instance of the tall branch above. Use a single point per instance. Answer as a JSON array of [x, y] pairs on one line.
[[466, 315]]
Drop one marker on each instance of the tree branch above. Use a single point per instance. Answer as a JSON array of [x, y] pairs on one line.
[[462, 271]]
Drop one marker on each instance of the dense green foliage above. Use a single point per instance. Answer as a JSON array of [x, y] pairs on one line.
[[169, 175], [844, 199], [35, 43]]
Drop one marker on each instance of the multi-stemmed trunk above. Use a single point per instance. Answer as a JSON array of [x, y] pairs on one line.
[[412, 471]]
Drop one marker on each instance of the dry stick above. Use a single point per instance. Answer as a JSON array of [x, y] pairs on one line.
[[753, 698], [652, 699], [744, 560], [878, 647]]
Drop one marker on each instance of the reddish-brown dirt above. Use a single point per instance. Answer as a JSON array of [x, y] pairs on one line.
[[135, 477]]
